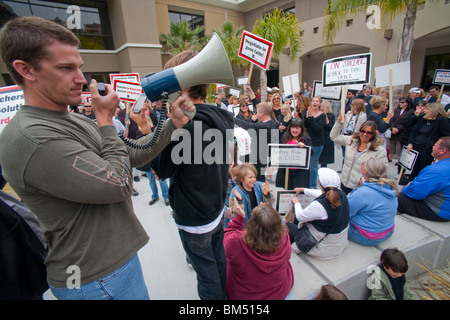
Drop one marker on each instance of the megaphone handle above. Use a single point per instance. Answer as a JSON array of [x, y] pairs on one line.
[[172, 97]]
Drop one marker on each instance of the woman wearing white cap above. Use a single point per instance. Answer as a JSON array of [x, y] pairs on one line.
[[324, 221]]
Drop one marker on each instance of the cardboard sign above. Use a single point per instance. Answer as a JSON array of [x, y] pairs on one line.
[[131, 77], [127, 91], [284, 199], [291, 84], [234, 91], [401, 74], [407, 160], [288, 156], [354, 69], [256, 50], [11, 98], [241, 81], [329, 93], [442, 76]]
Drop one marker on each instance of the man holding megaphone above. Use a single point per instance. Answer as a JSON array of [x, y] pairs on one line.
[[74, 174], [198, 189]]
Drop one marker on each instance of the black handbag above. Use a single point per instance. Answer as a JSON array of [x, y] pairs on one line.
[[304, 240]]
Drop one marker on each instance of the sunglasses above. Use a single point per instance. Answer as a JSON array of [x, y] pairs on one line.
[[366, 132]]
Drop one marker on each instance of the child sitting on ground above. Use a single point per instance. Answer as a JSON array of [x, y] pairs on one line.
[[388, 281]]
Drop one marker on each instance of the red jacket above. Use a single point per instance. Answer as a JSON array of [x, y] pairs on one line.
[[252, 275]]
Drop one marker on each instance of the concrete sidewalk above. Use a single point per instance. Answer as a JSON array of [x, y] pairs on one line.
[[169, 277]]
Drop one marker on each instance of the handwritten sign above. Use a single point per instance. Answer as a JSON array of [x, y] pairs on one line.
[[127, 91], [256, 50], [284, 199], [407, 160], [288, 156], [346, 70], [442, 76]]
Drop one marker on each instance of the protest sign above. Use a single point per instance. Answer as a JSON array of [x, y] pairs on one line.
[[288, 156], [127, 91], [11, 98], [329, 93], [256, 50], [284, 199], [442, 76], [291, 85], [131, 77], [347, 70]]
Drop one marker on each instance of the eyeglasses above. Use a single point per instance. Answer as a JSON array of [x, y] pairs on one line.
[[402, 102], [366, 132], [244, 105], [87, 106], [276, 98]]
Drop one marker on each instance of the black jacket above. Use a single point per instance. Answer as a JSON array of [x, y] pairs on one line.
[[23, 275], [198, 166]]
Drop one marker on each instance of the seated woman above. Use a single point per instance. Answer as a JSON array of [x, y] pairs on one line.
[[249, 192], [373, 206], [258, 266], [327, 217]]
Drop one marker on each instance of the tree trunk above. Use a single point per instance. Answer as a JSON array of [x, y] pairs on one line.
[[406, 43], [263, 83]]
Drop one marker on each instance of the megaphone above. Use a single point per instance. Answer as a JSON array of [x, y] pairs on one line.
[[211, 65]]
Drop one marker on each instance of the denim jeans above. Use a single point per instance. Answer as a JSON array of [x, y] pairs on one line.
[[154, 187], [207, 255], [125, 283], [314, 166], [355, 236]]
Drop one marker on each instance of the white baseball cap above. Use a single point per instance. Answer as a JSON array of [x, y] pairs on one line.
[[414, 90]]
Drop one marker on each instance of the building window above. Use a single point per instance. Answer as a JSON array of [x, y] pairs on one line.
[[316, 30], [433, 62], [349, 22], [194, 20], [91, 26]]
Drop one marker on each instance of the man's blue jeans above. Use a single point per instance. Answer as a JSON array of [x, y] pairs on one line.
[[125, 283], [207, 255], [154, 187], [314, 166]]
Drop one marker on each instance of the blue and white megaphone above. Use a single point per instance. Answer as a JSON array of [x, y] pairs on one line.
[[211, 65]]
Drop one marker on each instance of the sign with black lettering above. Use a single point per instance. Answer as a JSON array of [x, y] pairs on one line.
[[284, 200], [347, 70], [442, 76], [289, 156], [256, 50]]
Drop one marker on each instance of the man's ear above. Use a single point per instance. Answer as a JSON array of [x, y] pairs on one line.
[[24, 69]]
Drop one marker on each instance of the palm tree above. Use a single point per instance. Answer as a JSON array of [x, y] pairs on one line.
[[283, 29], [182, 37], [231, 38], [337, 11]]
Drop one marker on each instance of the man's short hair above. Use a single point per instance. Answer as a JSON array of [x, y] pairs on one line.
[[26, 38], [265, 107], [445, 143]]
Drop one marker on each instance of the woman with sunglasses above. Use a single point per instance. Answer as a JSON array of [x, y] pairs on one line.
[[276, 105], [360, 146], [244, 112]]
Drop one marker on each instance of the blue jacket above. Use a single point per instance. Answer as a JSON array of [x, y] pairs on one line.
[[247, 205], [373, 207], [433, 186]]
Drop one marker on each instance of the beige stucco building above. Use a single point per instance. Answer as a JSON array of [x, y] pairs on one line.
[[123, 35]]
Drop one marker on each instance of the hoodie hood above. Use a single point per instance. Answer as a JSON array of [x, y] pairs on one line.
[[214, 117], [384, 190]]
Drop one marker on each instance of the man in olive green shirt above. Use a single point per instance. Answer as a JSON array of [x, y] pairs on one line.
[[74, 174]]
